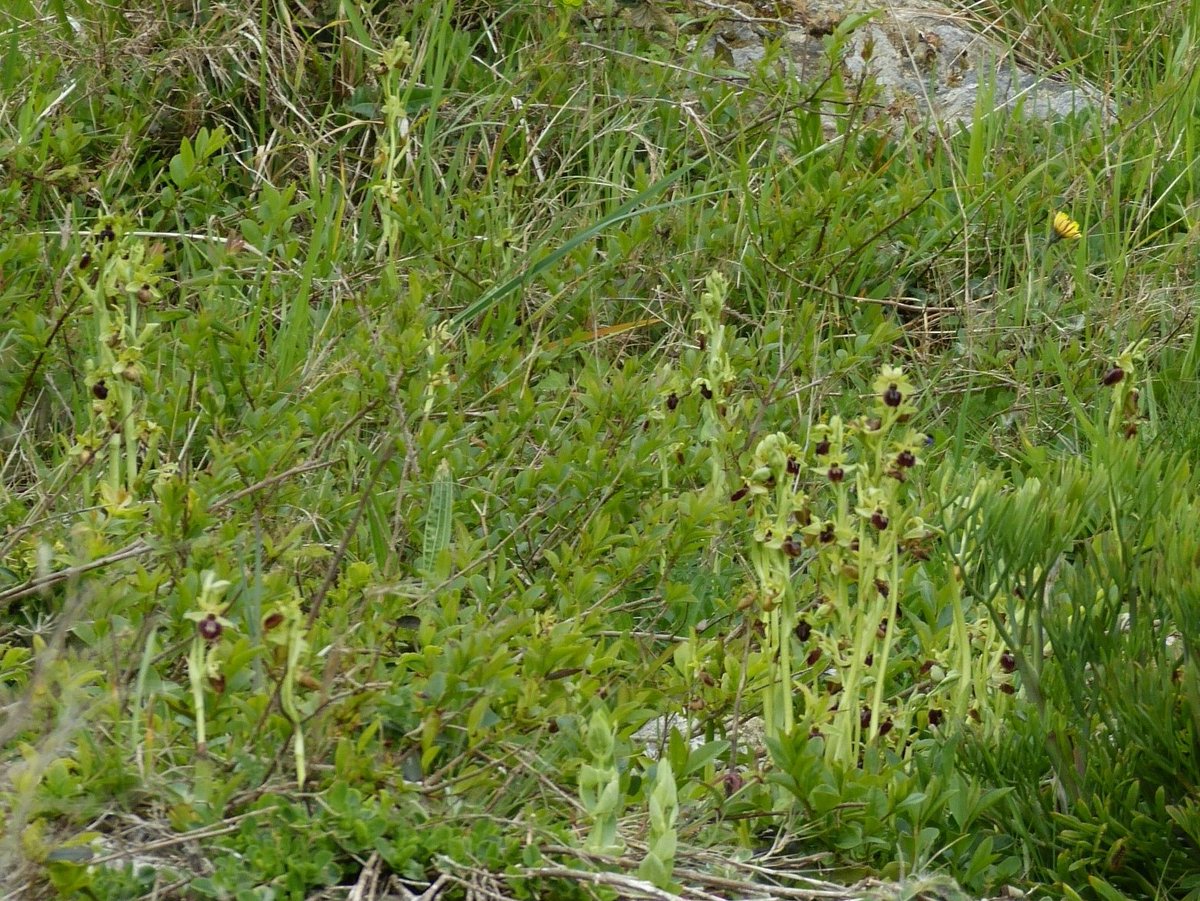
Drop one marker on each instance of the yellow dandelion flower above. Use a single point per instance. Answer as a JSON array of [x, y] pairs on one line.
[[1065, 228]]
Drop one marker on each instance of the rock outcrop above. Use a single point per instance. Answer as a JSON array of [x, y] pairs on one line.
[[918, 63]]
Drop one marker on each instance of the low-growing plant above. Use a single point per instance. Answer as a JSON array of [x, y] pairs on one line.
[[885, 655], [375, 382]]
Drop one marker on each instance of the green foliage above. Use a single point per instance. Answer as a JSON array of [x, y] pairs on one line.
[[600, 785], [663, 801], [384, 392], [905, 816]]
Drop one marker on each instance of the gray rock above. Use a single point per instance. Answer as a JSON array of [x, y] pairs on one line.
[[916, 63]]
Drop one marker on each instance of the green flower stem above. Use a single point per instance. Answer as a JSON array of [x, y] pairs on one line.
[[129, 428], [287, 697], [881, 659], [114, 459], [196, 668], [778, 620], [776, 501], [962, 642]]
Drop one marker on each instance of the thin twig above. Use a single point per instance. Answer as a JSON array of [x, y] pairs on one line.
[[229, 824]]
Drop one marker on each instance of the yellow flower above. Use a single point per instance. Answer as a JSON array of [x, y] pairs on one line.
[[1064, 228]]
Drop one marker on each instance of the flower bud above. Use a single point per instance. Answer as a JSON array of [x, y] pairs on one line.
[[733, 782]]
